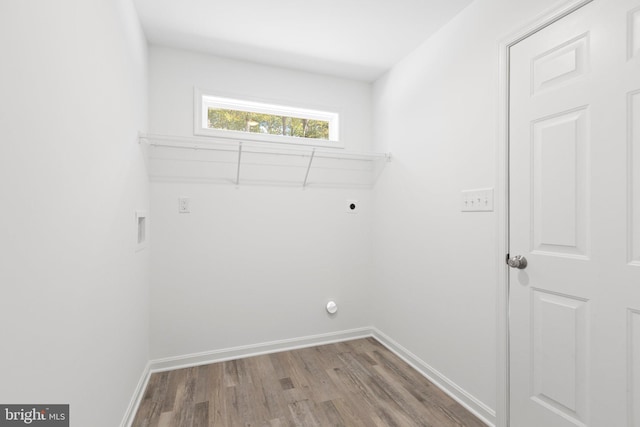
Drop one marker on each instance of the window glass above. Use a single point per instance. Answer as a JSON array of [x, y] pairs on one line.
[[246, 121], [224, 117]]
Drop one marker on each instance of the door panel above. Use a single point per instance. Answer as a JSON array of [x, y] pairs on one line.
[[560, 190], [634, 176], [561, 64], [559, 345], [575, 215], [634, 367], [634, 33]]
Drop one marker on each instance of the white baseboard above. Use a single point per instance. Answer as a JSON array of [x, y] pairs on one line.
[[134, 404], [475, 406], [204, 358]]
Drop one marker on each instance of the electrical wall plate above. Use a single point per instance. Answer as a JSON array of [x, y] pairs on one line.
[[353, 206], [141, 230], [184, 205], [480, 200]]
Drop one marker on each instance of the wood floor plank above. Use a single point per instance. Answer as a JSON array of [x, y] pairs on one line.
[[278, 365], [253, 405], [315, 374], [437, 415], [184, 405], [375, 395], [278, 422], [232, 416], [354, 414], [201, 414], [423, 390], [271, 387], [230, 373], [215, 395], [357, 398], [302, 414], [202, 385], [151, 406], [175, 378], [329, 354], [357, 383], [333, 415], [165, 420]]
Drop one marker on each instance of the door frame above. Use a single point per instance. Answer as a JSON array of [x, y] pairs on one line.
[[502, 197]]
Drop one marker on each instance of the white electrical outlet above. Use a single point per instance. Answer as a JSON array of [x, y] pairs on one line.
[[352, 206], [477, 200], [184, 205]]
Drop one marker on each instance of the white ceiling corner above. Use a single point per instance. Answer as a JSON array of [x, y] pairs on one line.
[[358, 39]]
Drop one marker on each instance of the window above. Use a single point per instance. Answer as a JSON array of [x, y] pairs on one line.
[[257, 121]]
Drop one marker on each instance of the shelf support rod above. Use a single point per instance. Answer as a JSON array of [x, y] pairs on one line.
[[239, 158], [306, 176]]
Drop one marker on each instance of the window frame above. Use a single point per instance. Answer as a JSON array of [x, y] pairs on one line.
[[204, 100]]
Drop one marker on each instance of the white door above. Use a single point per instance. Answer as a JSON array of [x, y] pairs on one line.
[[575, 216]]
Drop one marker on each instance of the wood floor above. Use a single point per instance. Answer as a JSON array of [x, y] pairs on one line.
[[355, 383]]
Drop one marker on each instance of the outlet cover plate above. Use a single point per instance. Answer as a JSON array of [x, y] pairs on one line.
[[184, 205]]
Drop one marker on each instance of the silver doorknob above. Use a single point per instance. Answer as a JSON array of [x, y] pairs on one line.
[[517, 261]]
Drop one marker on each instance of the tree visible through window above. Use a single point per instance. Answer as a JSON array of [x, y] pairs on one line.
[[266, 122], [271, 124]]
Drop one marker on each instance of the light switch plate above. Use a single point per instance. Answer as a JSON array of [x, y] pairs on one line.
[[480, 200]]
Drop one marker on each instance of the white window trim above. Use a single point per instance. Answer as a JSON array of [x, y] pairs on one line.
[[203, 100]]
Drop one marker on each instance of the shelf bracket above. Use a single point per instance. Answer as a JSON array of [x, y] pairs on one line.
[[239, 158], [306, 176]]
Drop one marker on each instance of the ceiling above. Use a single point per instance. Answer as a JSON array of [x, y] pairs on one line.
[[358, 39]]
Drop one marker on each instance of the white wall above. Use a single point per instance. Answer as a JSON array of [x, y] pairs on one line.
[[435, 267], [74, 300], [174, 73], [256, 263]]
